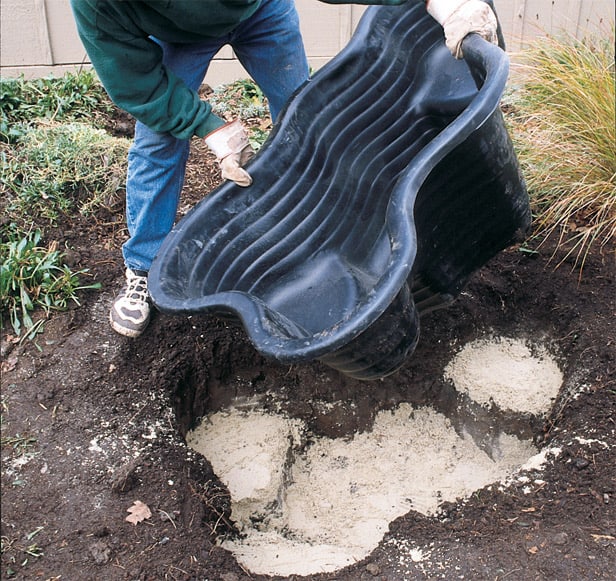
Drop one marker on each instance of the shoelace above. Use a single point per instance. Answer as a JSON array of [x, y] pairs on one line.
[[137, 288]]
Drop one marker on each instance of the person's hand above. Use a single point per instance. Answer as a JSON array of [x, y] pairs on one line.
[[230, 145], [461, 17]]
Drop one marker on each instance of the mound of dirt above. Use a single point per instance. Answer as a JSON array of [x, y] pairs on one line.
[[93, 422]]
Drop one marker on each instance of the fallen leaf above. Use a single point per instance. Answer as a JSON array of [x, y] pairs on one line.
[[138, 512], [533, 550]]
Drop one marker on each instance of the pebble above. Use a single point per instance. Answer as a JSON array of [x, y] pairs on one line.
[[124, 478], [560, 538], [101, 552], [580, 463], [373, 569]]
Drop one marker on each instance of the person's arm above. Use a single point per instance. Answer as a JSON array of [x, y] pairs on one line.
[[130, 67]]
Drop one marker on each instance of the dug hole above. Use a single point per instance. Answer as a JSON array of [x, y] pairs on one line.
[[308, 504]]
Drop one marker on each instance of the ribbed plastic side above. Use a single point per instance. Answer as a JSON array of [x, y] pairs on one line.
[[389, 170]]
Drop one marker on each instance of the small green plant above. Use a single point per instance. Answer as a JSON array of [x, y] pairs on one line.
[[72, 97], [242, 98], [51, 166], [563, 128], [52, 169], [34, 276], [257, 137], [11, 550]]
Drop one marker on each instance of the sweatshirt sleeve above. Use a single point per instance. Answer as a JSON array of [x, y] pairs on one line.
[[130, 66]]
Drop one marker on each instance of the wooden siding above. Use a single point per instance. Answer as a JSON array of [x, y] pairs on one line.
[[38, 37]]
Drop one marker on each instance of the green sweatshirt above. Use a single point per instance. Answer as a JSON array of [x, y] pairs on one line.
[[116, 35]]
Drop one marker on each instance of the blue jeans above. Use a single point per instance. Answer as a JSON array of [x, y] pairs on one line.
[[270, 48]]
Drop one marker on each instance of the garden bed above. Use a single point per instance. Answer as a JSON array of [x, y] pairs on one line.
[[93, 422]]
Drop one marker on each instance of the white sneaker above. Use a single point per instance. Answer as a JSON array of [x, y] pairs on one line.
[[130, 312]]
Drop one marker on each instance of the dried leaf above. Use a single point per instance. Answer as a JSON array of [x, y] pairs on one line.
[[139, 512]]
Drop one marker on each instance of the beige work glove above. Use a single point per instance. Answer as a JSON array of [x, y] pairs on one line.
[[230, 146], [461, 17]]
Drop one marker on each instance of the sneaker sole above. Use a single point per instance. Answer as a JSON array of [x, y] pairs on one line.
[[124, 331]]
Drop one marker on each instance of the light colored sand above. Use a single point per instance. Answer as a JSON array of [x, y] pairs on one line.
[[317, 508], [506, 372]]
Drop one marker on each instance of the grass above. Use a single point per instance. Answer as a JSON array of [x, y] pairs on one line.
[[11, 549], [57, 161], [21, 445], [564, 131]]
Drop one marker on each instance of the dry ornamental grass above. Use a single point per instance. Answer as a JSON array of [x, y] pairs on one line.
[[563, 128]]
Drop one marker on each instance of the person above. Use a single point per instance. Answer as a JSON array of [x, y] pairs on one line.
[[151, 56]]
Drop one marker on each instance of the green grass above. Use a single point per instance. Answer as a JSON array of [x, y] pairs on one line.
[[57, 162], [564, 130], [20, 445]]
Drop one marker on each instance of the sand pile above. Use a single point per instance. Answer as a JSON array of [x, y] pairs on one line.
[[304, 509]]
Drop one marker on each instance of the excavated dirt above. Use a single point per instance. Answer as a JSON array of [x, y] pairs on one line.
[[93, 423]]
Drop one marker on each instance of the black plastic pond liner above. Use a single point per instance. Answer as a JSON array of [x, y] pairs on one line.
[[389, 179]]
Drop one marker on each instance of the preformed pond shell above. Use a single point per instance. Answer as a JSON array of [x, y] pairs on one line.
[[388, 180]]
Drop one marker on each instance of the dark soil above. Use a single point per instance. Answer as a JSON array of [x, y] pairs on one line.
[[92, 422]]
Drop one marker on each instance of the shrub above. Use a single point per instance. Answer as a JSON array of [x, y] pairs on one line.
[[52, 167], [75, 96], [242, 98]]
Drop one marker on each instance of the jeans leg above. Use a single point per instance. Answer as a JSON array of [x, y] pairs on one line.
[[157, 164], [270, 47], [154, 180]]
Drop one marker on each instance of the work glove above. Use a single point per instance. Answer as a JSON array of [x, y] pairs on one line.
[[461, 17], [229, 144]]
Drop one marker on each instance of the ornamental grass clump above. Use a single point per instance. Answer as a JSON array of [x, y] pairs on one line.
[[563, 127]]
